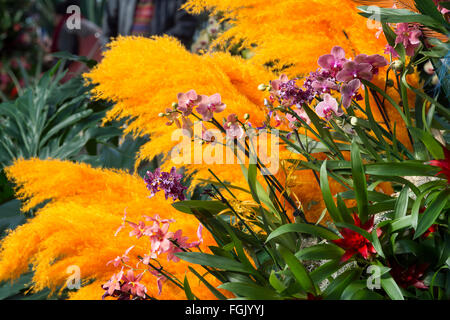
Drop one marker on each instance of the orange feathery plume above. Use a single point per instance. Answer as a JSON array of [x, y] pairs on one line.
[[77, 227]]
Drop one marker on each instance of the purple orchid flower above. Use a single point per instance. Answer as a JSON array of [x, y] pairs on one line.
[[376, 61], [354, 70], [333, 62], [348, 91]]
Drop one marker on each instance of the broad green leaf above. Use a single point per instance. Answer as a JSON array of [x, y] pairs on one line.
[[327, 196], [359, 184], [186, 206], [298, 270], [401, 206], [338, 285], [323, 251], [433, 211], [391, 287], [209, 260], [317, 231]]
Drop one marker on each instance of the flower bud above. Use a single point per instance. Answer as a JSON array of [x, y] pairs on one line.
[[262, 87], [162, 115], [174, 105], [390, 82], [397, 65], [353, 121], [246, 116]]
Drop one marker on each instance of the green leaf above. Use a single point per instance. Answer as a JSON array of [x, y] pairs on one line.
[[428, 8], [401, 169], [323, 251], [338, 285], [250, 291], [218, 262], [211, 288], [429, 141], [326, 194], [359, 182], [276, 283], [317, 231], [187, 289], [298, 270], [390, 286], [214, 207], [324, 271], [389, 15], [432, 213], [401, 206]]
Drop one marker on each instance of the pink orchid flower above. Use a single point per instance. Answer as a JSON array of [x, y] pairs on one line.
[[232, 127], [113, 284], [390, 50], [116, 262], [160, 279], [156, 218], [328, 107], [124, 218], [132, 284], [187, 101], [139, 229], [276, 84], [210, 105], [186, 126], [353, 70], [160, 238], [293, 121], [349, 91], [408, 35]]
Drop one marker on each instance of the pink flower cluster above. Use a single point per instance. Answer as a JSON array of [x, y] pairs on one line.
[[337, 74], [162, 241], [206, 107]]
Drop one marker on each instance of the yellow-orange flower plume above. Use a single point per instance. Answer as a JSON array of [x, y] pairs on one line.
[[77, 227]]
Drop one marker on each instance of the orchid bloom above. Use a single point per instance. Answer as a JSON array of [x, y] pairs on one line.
[[139, 229], [232, 127], [354, 243], [333, 62], [388, 49], [408, 35], [160, 279], [210, 105], [113, 284], [160, 238], [353, 70], [328, 107], [324, 86], [131, 284], [116, 262], [348, 91], [276, 84], [187, 101], [376, 61]]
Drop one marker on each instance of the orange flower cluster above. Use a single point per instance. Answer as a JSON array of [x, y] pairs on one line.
[[292, 34]]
